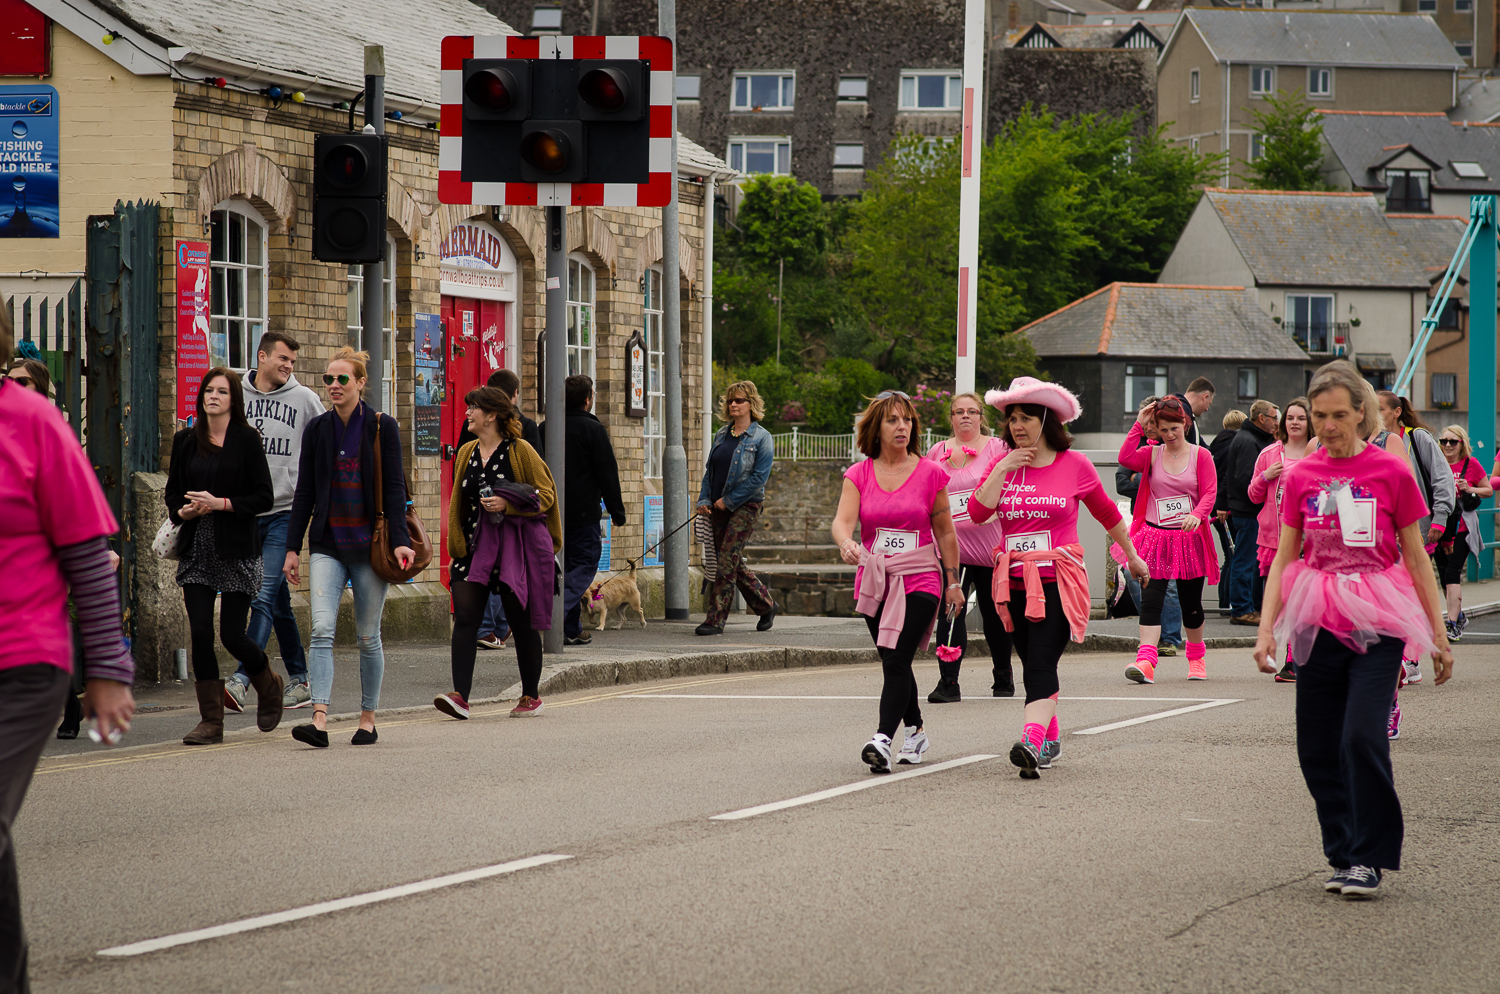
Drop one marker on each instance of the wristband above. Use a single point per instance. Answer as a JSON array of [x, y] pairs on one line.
[[952, 585]]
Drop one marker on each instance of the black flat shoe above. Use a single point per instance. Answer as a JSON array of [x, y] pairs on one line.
[[364, 738], [707, 629], [767, 619], [67, 732], [311, 734]]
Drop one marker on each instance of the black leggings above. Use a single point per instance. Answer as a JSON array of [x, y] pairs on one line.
[[994, 632], [469, 601], [234, 616], [1040, 644], [898, 696], [1190, 592]]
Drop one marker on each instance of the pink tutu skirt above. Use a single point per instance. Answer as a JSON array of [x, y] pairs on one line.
[[1264, 556], [1356, 608], [1171, 553]]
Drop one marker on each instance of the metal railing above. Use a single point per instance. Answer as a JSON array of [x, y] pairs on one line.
[[797, 445]]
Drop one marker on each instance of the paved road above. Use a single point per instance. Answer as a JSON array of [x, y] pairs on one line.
[[1178, 854]]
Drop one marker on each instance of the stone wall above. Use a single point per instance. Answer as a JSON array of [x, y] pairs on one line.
[[801, 498]]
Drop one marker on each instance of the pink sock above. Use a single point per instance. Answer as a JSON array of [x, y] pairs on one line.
[[1052, 731], [1035, 734], [1146, 654], [1196, 650]]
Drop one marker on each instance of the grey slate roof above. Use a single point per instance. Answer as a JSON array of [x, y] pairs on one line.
[[1319, 239], [1323, 38], [1155, 319], [1363, 141], [1430, 242]]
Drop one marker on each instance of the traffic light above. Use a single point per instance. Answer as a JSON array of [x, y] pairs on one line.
[[349, 197]]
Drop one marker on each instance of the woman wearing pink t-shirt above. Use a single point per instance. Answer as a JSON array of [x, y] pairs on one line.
[[1266, 487], [900, 502], [1041, 586], [1350, 588], [1461, 536], [967, 457]]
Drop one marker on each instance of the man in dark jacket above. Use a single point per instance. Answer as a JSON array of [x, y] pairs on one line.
[[1219, 449], [592, 476], [1198, 398], [1244, 570]]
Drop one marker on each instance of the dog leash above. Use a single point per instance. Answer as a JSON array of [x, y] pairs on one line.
[[630, 564]]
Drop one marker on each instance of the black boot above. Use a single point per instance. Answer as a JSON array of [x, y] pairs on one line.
[[946, 692], [1005, 681]]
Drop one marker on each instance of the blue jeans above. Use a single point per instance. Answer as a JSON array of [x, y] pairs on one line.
[[272, 607], [1171, 610], [329, 575], [582, 545], [494, 621], [1244, 571]]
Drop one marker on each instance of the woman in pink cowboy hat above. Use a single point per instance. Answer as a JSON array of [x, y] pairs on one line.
[[1041, 586], [1180, 483]]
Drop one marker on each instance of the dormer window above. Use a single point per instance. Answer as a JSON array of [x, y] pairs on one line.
[[1409, 191]]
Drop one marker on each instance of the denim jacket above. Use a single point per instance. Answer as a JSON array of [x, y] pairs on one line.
[[748, 471]]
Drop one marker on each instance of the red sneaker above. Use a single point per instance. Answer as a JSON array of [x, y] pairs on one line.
[[452, 705], [526, 706]]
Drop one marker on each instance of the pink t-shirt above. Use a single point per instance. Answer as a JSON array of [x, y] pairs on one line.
[[1041, 504], [1385, 498], [908, 510], [48, 498], [1474, 475], [976, 543]]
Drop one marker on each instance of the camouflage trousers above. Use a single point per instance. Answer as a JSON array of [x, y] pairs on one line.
[[732, 529]]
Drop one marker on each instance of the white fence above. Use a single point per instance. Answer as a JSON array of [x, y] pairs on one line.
[[796, 445]]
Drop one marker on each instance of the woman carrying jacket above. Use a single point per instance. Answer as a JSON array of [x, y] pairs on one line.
[[1461, 536], [218, 483], [733, 488], [334, 506], [501, 540]]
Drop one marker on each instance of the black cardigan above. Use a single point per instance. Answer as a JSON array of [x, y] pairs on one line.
[[243, 476], [315, 478]]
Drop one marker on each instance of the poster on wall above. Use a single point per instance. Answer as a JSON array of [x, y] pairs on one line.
[[655, 508], [29, 203], [430, 385], [635, 357], [192, 324]]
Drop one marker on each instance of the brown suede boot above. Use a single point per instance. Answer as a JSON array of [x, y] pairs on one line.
[[210, 730], [268, 689]]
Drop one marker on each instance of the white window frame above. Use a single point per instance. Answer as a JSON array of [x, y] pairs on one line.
[[1289, 322], [1463, 6], [855, 82], [848, 148], [1450, 381], [1193, 145], [1465, 49], [741, 97], [653, 426], [1133, 372], [1195, 86], [1262, 81], [238, 290], [910, 87], [355, 324], [738, 154], [583, 317], [1315, 76]]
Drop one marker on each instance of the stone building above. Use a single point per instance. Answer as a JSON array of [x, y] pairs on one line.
[[172, 102]]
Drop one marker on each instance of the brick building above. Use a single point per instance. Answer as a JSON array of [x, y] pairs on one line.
[[173, 108]]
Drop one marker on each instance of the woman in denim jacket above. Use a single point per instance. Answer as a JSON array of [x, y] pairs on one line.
[[734, 487]]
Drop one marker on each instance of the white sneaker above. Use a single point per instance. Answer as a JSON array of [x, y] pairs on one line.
[[1413, 670], [877, 753], [913, 748]]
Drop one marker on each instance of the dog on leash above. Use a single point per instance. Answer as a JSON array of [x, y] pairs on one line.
[[618, 595]]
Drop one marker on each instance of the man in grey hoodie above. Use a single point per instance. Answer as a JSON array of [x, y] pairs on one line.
[[279, 408]]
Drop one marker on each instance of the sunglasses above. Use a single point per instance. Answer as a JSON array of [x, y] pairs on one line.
[[739, 400], [1448, 441], [25, 381], [343, 379], [884, 394]]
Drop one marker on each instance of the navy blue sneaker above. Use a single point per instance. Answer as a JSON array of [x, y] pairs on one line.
[[1335, 884], [1361, 882]]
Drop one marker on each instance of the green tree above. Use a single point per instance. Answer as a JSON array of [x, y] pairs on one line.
[[1291, 155], [782, 219]]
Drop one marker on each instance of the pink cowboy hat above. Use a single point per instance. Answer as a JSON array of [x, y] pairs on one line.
[[1030, 390]]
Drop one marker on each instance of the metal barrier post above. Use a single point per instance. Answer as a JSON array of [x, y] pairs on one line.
[[1482, 273]]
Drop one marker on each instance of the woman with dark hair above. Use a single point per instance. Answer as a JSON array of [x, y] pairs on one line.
[[33, 374], [1168, 530], [899, 500], [1041, 585], [1350, 587], [1266, 488], [504, 528], [217, 484]]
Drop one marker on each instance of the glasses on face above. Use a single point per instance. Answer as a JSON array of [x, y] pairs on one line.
[[25, 381], [739, 400], [971, 412], [1448, 441], [343, 379]]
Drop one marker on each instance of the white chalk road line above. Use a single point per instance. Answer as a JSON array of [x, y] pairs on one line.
[[1157, 717], [849, 788], [328, 907]]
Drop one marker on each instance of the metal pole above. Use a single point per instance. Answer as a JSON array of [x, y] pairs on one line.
[[674, 465], [556, 374], [780, 292], [968, 194], [708, 316], [372, 291], [1482, 274]]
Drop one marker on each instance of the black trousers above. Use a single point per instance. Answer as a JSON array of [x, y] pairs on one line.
[[1343, 704], [31, 697], [899, 698], [994, 631], [1154, 595], [1040, 644], [469, 601], [234, 618]]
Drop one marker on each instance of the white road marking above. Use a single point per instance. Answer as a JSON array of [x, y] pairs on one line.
[[327, 907], [823, 795], [1156, 717]]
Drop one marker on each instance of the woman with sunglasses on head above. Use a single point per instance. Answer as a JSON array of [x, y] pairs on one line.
[[335, 508], [1266, 488], [899, 500], [1180, 486], [966, 457], [1461, 534], [1350, 588], [1041, 585]]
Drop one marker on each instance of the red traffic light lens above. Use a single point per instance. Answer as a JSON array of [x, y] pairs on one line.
[[491, 89], [604, 89], [547, 150], [345, 166]]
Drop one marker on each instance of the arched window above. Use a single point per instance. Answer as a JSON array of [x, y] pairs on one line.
[[654, 429], [581, 330], [356, 325], [237, 298]]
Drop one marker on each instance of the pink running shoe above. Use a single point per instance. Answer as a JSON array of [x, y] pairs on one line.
[[526, 707], [1141, 671], [1393, 729], [1197, 669]]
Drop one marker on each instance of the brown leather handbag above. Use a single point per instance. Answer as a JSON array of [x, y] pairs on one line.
[[382, 558]]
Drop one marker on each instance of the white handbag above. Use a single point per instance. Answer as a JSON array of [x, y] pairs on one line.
[[167, 538]]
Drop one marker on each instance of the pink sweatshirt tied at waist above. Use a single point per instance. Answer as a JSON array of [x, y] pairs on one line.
[[882, 580], [1072, 586]]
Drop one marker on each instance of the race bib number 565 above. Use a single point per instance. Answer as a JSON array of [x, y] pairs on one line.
[[892, 542]]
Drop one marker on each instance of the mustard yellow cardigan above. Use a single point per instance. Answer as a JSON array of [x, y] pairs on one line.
[[529, 468]]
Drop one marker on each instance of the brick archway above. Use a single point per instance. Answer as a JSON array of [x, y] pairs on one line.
[[247, 174]]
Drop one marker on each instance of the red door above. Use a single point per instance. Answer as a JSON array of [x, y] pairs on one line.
[[461, 331]]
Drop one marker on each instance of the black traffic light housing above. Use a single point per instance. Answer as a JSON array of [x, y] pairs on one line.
[[349, 197]]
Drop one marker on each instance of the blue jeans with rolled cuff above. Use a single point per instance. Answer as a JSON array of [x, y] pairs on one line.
[[329, 576]]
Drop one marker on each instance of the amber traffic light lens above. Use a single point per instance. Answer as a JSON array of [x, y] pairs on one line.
[[491, 89], [548, 151], [345, 166], [603, 89]]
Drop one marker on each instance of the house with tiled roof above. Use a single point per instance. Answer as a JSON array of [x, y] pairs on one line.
[[1128, 341], [1412, 163], [1339, 275]]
